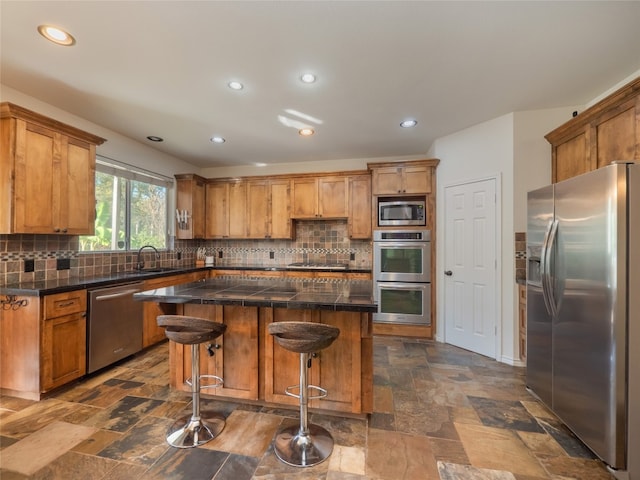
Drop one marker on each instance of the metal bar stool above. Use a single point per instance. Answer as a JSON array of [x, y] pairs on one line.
[[193, 430], [307, 444]]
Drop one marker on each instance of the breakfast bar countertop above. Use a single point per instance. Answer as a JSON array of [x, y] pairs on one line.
[[301, 293]]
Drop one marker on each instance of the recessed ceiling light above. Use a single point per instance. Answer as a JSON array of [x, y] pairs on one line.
[[235, 85], [153, 138], [408, 123], [56, 35], [308, 78], [217, 139], [259, 164], [306, 132]]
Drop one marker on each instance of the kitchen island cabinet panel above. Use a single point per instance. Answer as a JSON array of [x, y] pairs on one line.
[[235, 354], [250, 359]]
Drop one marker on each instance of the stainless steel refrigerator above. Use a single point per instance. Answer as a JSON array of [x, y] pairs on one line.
[[583, 309]]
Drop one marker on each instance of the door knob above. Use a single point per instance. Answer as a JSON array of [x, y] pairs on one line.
[[448, 273]]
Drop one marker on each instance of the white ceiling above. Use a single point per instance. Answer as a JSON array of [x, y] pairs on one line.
[[161, 67]]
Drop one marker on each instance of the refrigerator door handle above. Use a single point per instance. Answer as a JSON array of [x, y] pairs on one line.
[[549, 275], [544, 273]]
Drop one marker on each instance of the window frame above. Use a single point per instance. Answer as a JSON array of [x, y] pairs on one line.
[[129, 174]]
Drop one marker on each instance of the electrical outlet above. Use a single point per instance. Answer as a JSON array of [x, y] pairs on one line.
[[179, 255], [29, 265], [63, 263], [272, 255], [220, 254], [352, 256]]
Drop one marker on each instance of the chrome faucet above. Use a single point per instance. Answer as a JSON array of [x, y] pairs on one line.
[[140, 262]]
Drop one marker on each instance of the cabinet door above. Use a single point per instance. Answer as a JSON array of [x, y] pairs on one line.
[[237, 210], [38, 162], [616, 134], [280, 209], [151, 332], [54, 182], [235, 354], [572, 157], [217, 199], [387, 180], [63, 350], [333, 197], [416, 179], [282, 367], [360, 213], [190, 196], [78, 213], [258, 209], [304, 197], [337, 367]]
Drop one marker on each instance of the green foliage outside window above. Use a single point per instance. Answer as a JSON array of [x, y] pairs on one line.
[[129, 214]]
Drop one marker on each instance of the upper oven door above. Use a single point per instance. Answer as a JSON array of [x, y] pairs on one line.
[[402, 261]]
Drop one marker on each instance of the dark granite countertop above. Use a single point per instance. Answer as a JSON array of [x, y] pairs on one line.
[[40, 288], [302, 293]]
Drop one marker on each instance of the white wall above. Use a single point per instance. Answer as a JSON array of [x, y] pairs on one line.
[[302, 167], [479, 152], [532, 155]]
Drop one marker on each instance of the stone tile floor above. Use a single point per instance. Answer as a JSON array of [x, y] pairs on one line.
[[440, 413]]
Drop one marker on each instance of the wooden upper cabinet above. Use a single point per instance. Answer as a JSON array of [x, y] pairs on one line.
[[320, 197], [401, 179], [572, 157], [190, 196], [47, 175], [269, 208], [360, 214], [605, 132], [618, 134], [226, 209]]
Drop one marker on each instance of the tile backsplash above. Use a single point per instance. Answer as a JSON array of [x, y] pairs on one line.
[[315, 241]]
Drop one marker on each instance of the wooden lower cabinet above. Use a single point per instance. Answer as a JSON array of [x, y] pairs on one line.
[[235, 354], [254, 367], [151, 333], [522, 321], [64, 339], [43, 344]]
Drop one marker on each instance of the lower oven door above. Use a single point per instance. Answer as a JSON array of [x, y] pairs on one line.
[[408, 303]]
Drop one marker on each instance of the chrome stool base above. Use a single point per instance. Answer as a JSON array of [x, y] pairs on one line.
[[188, 432], [299, 450]]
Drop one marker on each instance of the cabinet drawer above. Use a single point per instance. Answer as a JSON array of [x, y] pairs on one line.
[[65, 303]]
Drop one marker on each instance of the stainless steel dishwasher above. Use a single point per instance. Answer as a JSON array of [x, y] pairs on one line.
[[115, 325]]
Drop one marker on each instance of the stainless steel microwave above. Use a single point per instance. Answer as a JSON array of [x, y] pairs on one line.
[[402, 212]]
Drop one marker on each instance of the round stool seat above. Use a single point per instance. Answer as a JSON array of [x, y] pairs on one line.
[[190, 330], [303, 337]]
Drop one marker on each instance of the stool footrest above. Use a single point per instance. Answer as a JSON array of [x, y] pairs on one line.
[[218, 381], [323, 392]]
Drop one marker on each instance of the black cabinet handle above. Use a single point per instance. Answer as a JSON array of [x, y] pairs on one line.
[[448, 273]]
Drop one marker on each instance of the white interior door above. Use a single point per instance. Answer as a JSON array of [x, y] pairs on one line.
[[470, 266]]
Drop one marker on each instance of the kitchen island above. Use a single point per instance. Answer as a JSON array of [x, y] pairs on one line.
[[257, 369]]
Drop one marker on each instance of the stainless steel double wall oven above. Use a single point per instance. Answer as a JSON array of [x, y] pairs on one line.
[[402, 276]]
